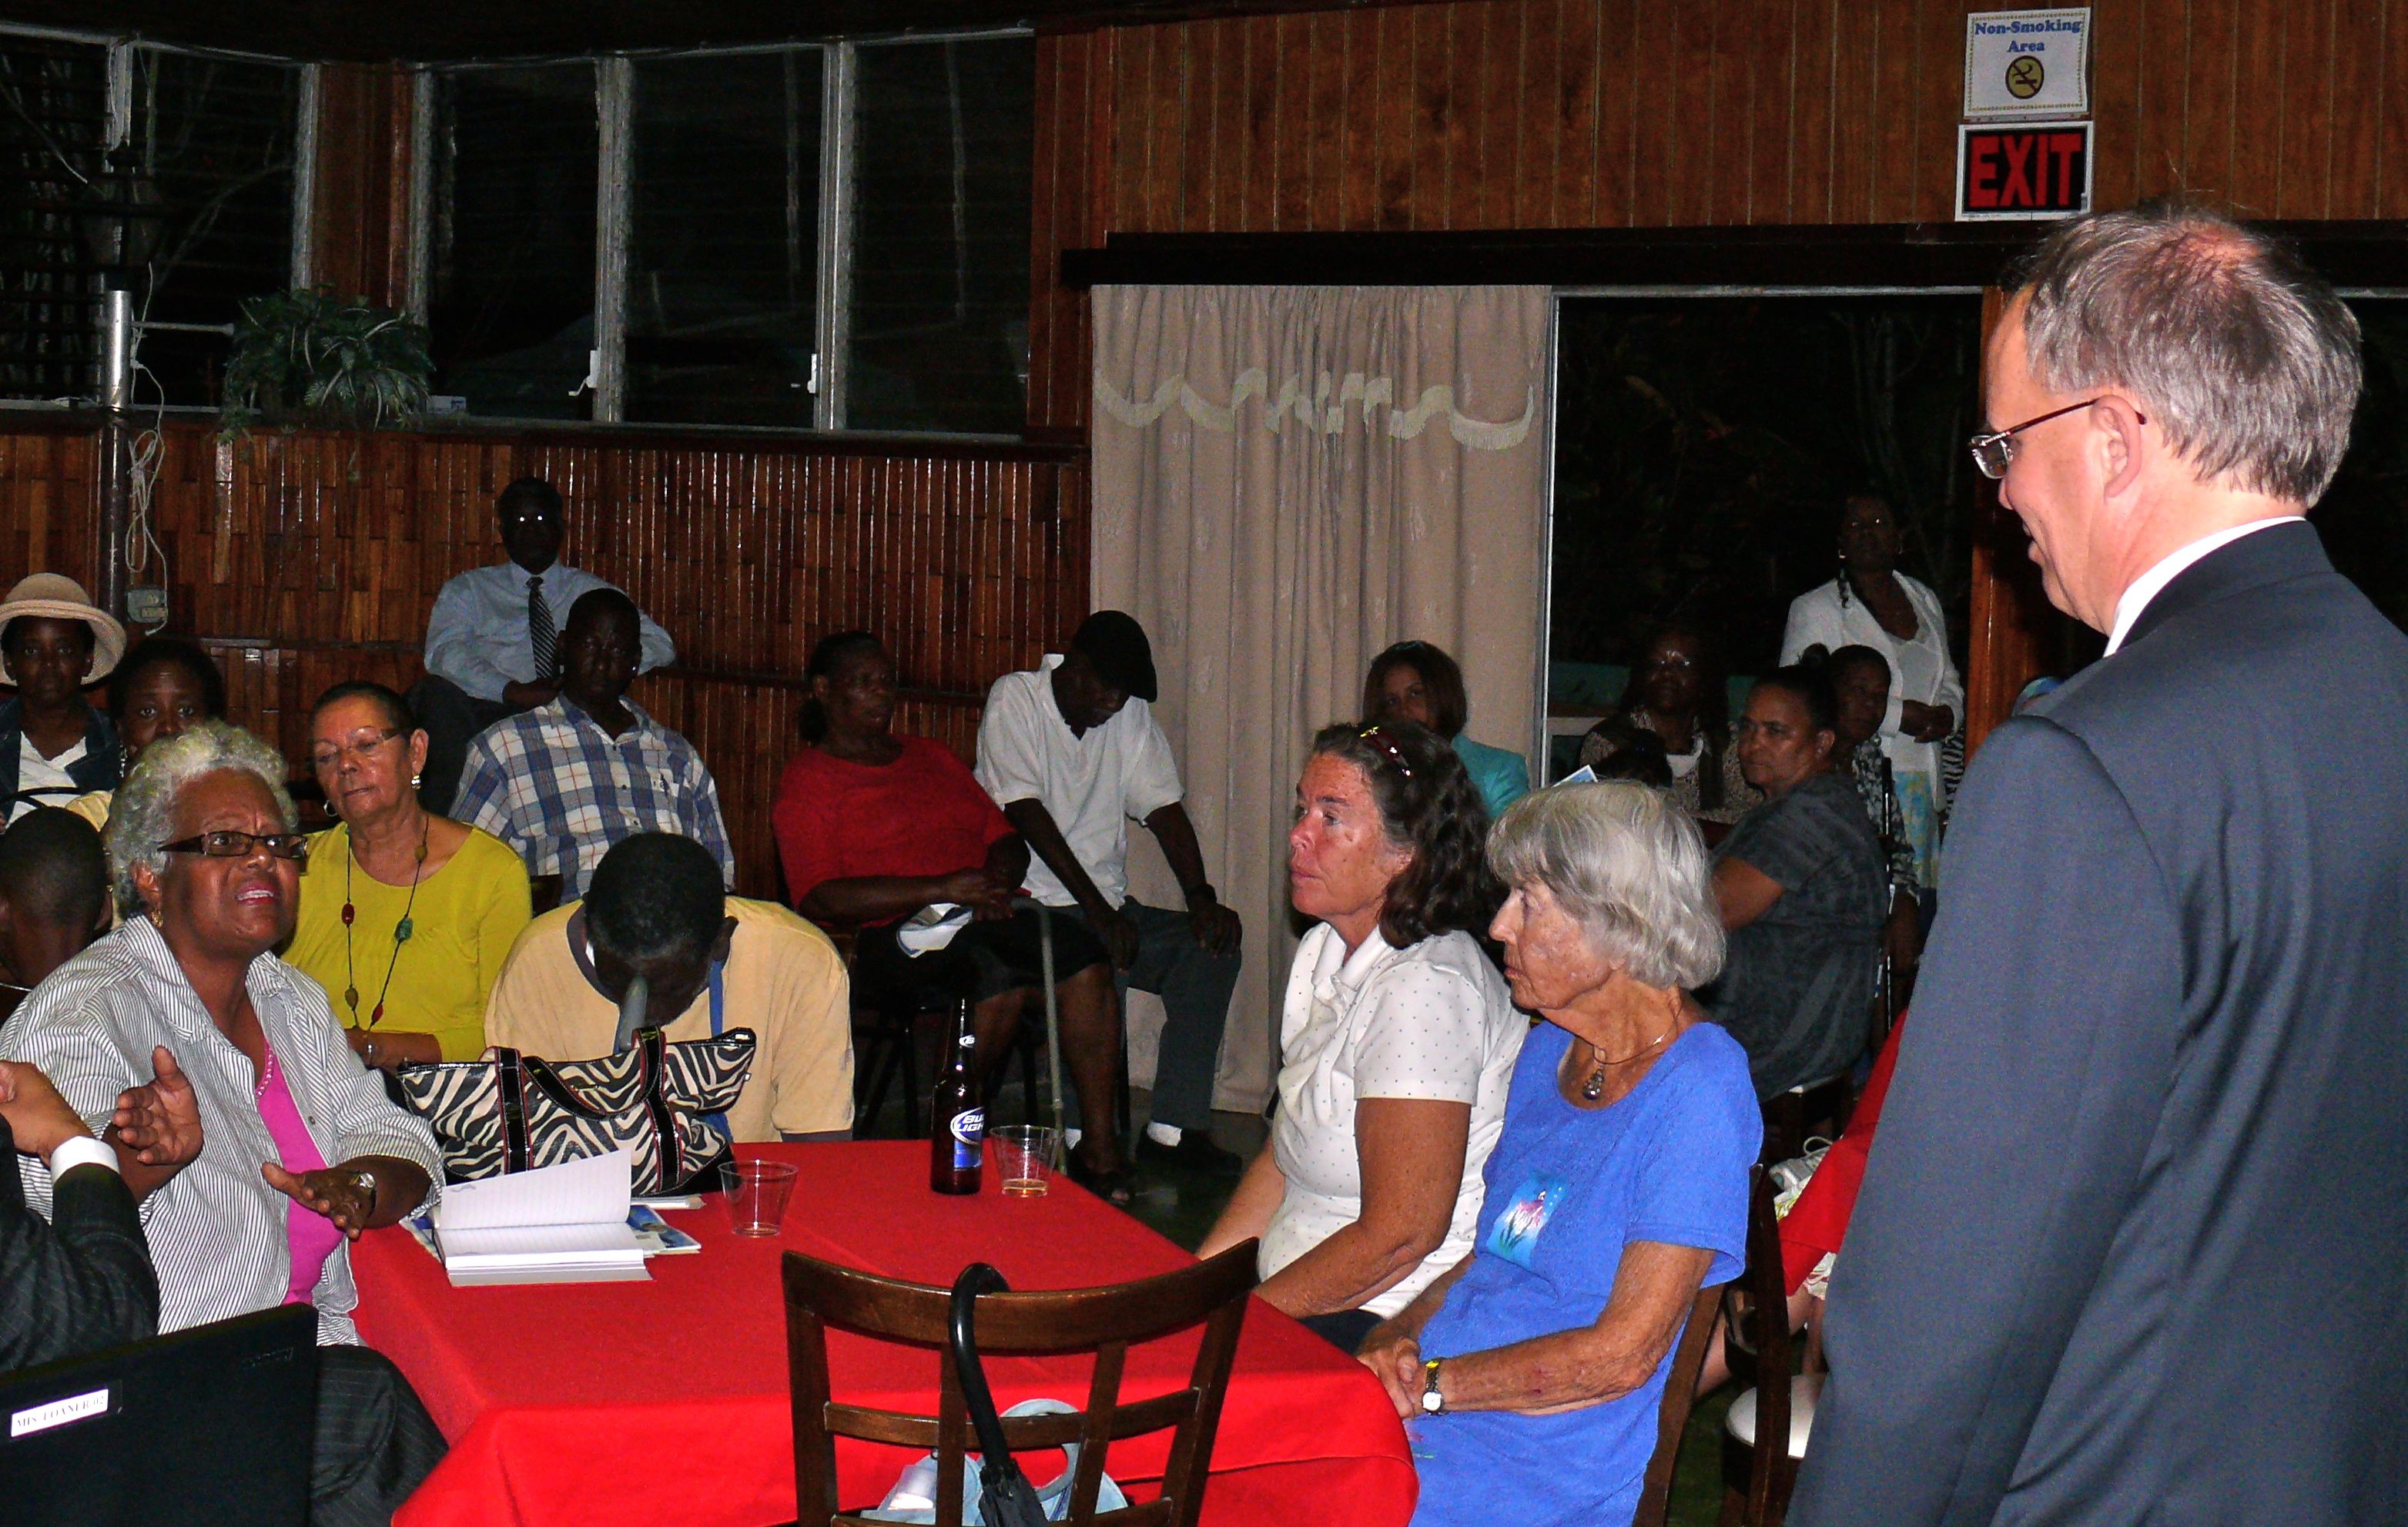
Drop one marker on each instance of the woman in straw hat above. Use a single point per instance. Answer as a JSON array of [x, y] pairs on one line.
[[53, 745]]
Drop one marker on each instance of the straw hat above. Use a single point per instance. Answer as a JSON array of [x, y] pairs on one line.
[[57, 597]]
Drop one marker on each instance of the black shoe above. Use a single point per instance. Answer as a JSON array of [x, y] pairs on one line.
[[1116, 1187], [1195, 1152]]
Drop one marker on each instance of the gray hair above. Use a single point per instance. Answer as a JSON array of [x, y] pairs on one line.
[[1628, 866], [2245, 357], [142, 814]]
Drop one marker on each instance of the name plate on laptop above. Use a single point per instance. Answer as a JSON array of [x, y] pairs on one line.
[[75, 1407]]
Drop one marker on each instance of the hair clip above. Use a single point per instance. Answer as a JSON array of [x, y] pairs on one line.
[[1378, 737]]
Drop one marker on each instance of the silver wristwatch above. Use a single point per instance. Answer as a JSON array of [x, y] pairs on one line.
[[1433, 1402]]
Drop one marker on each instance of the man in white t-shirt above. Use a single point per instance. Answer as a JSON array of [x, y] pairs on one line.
[[1073, 754]]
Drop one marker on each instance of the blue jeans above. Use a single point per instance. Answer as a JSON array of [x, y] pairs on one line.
[[1193, 984]]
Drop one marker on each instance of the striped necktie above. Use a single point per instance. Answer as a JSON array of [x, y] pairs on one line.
[[540, 632]]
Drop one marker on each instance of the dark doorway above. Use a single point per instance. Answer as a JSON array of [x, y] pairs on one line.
[[1703, 446], [2364, 516]]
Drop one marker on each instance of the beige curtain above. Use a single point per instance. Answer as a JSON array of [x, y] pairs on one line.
[[1286, 480]]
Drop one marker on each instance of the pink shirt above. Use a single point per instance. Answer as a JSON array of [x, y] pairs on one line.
[[310, 1236]]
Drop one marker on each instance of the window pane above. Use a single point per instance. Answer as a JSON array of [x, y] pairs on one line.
[[196, 208], [722, 257], [940, 263], [56, 114], [213, 140], [516, 158]]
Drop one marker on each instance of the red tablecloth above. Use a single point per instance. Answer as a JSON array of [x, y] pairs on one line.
[[667, 1401]]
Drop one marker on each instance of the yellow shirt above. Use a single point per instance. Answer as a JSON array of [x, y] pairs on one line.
[[466, 916], [94, 807], [783, 981]]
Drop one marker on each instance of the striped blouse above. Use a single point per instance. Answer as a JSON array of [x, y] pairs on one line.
[[216, 1230]]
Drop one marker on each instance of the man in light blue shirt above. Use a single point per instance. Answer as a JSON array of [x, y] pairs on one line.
[[493, 639]]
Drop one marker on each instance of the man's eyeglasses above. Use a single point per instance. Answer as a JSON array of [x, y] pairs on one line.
[[361, 748], [1995, 451], [1378, 737], [226, 843]]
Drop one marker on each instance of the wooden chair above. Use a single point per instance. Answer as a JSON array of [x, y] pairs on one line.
[[1672, 1410], [886, 1051], [1764, 1434], [1797, 1115], [1104, 1320]]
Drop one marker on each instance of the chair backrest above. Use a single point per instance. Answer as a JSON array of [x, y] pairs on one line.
[[1672, 1410], [1759, 1349], [1104, 1320]]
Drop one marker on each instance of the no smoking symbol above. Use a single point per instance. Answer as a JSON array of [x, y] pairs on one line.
[[2024, 76]]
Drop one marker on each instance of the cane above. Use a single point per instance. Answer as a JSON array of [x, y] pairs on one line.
[[1052, 1028]]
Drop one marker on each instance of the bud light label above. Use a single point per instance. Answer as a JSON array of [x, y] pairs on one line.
[[969, 1128]]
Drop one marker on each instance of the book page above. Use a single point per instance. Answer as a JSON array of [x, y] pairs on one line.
[[593, 1192]]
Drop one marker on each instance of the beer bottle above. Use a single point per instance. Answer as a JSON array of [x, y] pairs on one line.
[[957, 1150]]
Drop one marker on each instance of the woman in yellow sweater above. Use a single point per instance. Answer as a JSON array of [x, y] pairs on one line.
[[406, 916]]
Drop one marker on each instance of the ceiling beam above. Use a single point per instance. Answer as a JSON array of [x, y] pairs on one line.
[[2352, 255], [459, 31]]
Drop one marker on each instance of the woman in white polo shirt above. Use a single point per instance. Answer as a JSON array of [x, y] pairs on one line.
[[1398, 1040]]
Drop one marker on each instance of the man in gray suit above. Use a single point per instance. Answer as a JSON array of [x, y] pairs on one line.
[[2133, 1245]]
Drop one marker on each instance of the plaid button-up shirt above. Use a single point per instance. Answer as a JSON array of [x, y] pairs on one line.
[[553, 785]]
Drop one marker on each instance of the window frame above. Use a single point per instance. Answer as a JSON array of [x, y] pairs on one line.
[[836, 234], [118, 55]]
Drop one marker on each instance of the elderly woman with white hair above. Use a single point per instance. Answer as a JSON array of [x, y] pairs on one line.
[[300, 1150], [1530, 1372]]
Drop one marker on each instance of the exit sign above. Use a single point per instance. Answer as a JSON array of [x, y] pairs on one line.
[[2022, 172]]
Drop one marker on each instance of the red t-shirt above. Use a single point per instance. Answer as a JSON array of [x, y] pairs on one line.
[[923, 814]]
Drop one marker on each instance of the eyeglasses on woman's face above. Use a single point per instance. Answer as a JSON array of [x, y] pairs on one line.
[[360, 748], [229, 843], [1995, 453]]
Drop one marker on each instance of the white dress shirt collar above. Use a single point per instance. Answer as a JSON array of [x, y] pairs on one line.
[[2153, 582], [1340, 975]]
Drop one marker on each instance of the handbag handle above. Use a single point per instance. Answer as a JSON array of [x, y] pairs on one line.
[[1006, 1497]]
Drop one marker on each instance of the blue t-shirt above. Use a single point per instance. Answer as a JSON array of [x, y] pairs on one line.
[[1567, 1190], [1502, 777]]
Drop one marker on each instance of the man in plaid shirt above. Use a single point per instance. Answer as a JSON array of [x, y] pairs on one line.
[[563, 781]]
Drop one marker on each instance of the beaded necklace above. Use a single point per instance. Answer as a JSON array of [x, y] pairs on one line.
[[401, 931]]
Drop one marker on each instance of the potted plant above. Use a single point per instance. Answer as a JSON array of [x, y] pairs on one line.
[[307, 357]]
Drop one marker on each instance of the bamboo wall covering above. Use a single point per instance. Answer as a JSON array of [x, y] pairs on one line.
[[303, 559]]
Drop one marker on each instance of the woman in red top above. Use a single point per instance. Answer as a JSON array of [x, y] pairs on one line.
[[871, 827]]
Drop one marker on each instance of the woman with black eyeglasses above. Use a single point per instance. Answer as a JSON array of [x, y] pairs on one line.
[[405, 916], [1676, 691], [1397, 1040], [300, 1148]]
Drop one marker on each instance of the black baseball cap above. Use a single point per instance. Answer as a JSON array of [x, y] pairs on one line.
[[1115, 645]]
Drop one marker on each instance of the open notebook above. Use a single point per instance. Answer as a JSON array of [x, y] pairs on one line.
[[556, 1225]]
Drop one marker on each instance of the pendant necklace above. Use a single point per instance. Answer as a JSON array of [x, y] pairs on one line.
[[401, 931], [1594, 1088]]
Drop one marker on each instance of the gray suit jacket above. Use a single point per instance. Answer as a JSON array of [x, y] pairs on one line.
[[2132, 1246], [79, 1282]]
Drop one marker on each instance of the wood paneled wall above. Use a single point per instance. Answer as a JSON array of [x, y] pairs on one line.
[[1632, 113], [359, 226], [303, 559]]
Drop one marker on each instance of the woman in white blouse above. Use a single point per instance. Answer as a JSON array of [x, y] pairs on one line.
[[1874, 605], [1398, 1039]]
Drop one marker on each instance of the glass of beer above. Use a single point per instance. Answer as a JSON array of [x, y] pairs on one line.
[[1023, 1158]]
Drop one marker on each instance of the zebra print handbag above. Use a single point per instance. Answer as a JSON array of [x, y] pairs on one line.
[[664, 1104]]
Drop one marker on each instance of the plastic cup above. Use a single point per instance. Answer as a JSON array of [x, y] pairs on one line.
[[1023, 1159], [757, 1194]]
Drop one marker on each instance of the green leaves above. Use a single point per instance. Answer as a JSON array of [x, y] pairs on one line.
[[307, 357]]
